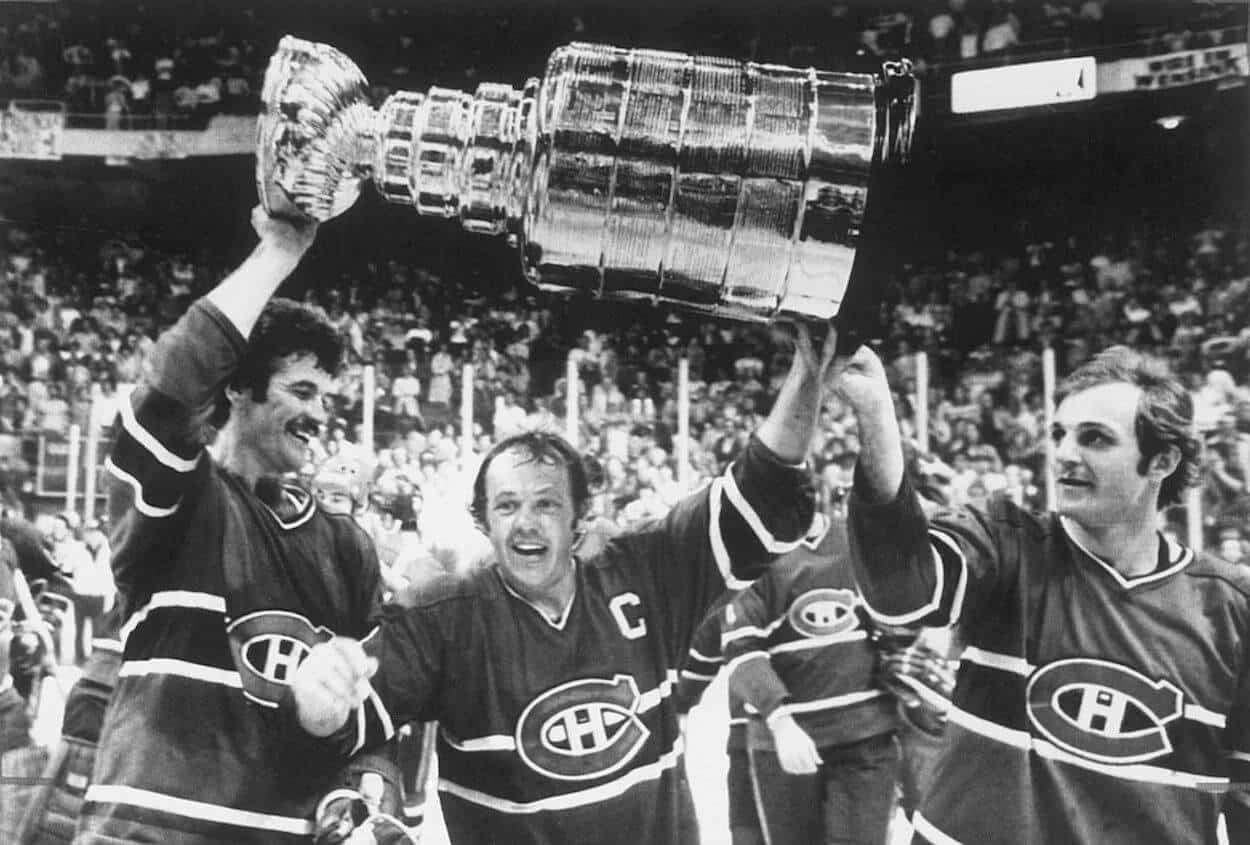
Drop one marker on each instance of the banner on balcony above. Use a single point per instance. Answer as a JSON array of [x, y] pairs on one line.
[[31, 133], [1173, 70]]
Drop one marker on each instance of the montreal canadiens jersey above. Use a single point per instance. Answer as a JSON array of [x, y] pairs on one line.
[[798, 641], [221, 597], [703, 661], [1089, 707], [567, 731]]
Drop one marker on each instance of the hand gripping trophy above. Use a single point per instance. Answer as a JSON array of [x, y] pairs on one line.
[[730, 189]]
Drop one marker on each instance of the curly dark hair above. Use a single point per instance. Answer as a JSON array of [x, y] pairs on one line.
[[1165, 411], [285, 328], [538, 446]]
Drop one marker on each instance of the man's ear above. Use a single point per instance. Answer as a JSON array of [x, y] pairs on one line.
[[1165, 462]]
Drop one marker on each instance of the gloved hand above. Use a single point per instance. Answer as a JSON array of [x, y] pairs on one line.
[[923, 680]]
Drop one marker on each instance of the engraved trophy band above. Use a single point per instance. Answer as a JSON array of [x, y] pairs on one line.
[[726, 188]]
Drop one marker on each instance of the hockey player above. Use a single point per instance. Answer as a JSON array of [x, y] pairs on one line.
[[800, 655], [227, 575], [1103, 693], [703, 662], [551, 676]]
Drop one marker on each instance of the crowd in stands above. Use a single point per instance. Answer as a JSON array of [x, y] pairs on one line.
[[77, 323], [163, 66]]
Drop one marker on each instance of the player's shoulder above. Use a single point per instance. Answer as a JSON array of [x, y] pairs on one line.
[[997, 515], [1233, 577], [451, 591]]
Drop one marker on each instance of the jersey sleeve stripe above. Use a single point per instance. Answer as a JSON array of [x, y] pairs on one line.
[[570, 800], [182, 669], [752, 518], [931, 606], [173, 598], [695, 654], [952, 557], [994, 660], [697, 676], [112, 793], [158, 450], [751, 631], [818, 642], [719, 551], [1198, 713], [481, 743], [925, 828], [832, 703], [652, 697], [142, 505]]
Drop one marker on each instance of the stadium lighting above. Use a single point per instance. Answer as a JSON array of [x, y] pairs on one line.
[[1171, 121]]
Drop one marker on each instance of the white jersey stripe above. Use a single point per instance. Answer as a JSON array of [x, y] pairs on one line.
[[652, 698], [926, 829], [142, 505], [149, 442], [101, 793], [994, 660], [1198, 713], [719, 552], [173, 598], [819, 642], [696, 676], [934, 602], [706, 658], [751, 631], [744, 508], [831, 703], [481, 743], [182, 669], [570, 800], [1048, 750]]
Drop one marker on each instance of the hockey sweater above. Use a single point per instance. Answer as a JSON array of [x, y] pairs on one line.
[[221, 597], [566, 732], [1088, 707]]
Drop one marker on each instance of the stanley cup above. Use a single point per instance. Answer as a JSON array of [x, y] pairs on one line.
[[725, 188]]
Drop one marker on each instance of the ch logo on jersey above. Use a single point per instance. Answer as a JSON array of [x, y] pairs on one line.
[[1103, 711], [583, 729], [268, 646], [823, 612]]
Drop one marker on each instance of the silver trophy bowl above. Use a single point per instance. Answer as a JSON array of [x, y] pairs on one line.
[[725, 188]]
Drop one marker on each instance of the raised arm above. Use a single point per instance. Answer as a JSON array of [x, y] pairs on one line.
[[861, 383], [242, 295], [790, 425], [155, 460]]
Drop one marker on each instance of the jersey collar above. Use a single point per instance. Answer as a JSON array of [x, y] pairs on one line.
[[1173, 557], [563, 619]]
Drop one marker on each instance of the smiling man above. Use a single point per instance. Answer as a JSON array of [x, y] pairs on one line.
[[1104, 694], [227, 575], [552, 676]]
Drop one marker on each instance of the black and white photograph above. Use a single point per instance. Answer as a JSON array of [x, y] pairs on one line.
[[624, 422]]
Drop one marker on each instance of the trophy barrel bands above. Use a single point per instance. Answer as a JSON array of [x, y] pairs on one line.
[[316, 134], [731, 189]]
